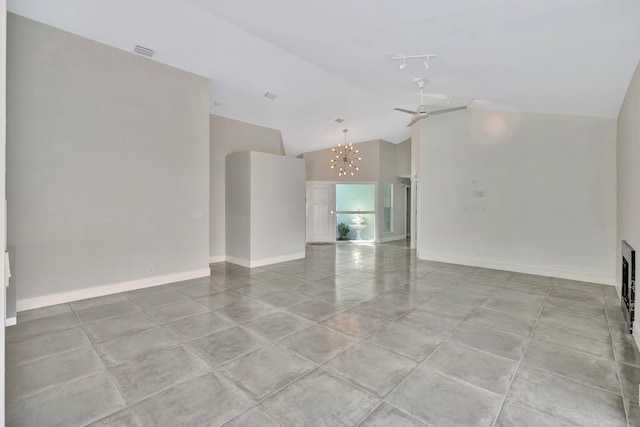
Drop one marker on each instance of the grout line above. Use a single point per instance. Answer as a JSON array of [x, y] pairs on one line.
[[425, 361], [104, 366], [572, 350], [615, 358], [62, 383], [515, 372], [255, 407], [319, 263], [555, 374], [528, 406], [369, 413], [407, 414]]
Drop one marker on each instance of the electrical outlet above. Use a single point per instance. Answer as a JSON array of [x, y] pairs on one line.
[[478, 193], [150, 269]]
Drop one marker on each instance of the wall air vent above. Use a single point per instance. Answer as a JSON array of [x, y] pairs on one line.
[[144, 51], [270, 95]]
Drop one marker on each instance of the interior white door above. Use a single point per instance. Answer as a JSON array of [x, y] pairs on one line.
[[321, 202]]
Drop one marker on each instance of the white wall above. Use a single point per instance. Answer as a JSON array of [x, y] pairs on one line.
[[415, 172], [238, 206], [628, 169], [403, 158], [265, 208], [549, 183], [229, 136], [278, 222], [3, 67], [108, 168]]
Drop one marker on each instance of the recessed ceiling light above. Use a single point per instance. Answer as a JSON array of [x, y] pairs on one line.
[[270, 95], [144, 51], [339, 120]]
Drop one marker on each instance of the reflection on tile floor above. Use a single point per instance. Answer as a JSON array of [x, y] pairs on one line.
[[353, 335]]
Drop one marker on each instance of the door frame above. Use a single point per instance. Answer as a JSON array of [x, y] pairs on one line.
[[332, 211], [407, 210]]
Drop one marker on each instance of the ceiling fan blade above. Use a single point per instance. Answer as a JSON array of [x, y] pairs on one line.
[[417, 117], [449, 110], [402, 110]]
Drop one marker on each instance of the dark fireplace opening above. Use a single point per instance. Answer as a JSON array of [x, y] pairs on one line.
[[628, 290]]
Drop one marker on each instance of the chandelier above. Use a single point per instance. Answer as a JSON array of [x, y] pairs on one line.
[[345, 158]]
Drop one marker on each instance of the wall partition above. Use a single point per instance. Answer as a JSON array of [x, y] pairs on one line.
[[355, 212]]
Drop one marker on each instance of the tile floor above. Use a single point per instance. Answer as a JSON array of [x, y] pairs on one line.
[[354, 335]]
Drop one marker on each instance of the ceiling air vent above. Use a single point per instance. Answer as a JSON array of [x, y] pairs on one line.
[[270, 95], [144, 51]]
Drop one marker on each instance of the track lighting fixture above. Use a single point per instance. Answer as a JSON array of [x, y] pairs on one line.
[[404, 59]]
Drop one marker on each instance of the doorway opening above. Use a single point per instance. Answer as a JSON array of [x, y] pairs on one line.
[[408, 212]]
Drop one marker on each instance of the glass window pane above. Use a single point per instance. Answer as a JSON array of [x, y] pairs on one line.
[[351, 197], [347, 227]]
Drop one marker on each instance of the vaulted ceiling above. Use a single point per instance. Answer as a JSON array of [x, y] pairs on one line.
[[330, 59]]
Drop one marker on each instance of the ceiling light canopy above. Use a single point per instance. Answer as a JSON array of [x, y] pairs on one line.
[[346, 157]]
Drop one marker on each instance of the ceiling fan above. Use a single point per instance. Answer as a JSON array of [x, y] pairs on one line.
[[421, 112]]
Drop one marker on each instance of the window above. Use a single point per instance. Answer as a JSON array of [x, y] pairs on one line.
[[355, 212], [388, 208]]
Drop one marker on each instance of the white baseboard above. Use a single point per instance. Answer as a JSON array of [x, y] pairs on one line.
[[114, 288], [392, 239], [10, 321], [542, 271], [238, 261], [265, 261], [275, 260], [218, 258]]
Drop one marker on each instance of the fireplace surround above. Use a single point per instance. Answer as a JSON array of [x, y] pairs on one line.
[[628, 284]]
